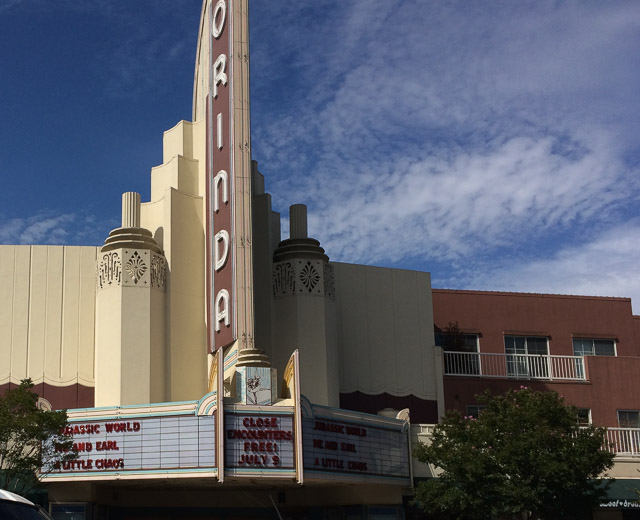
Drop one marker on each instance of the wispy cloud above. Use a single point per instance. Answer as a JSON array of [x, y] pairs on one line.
[[54, 228], [461, 205], [604, 266], [453, 134]]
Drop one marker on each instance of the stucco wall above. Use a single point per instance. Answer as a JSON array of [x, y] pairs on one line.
[[385, 324], [493, 314], [612, 382], [47, 315]]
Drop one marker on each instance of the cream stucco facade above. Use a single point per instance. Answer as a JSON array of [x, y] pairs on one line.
[[369, 333], [47, 314]]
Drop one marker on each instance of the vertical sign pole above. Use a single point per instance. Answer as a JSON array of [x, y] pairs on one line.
[[229, 231], [230, 258], [291, 389], [297, 417], [242, 165], [220, 413]]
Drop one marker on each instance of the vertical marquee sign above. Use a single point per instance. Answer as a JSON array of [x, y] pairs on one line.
[[220, 180]]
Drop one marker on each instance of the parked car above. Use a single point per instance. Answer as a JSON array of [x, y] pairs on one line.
[[15, 507]]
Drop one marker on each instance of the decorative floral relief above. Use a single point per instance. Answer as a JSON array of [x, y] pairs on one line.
[[109, 270], [158, 272], [284, 281], [329, 282], [136, 267], [309, 276]]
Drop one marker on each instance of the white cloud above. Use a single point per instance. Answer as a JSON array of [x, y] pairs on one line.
[[605, 266], [54, 228], [425, 132], [37, 229], [448, 208]]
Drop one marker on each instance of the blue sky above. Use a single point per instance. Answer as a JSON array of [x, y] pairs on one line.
[[494, 144]]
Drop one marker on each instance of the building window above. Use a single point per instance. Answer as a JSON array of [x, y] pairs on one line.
[[594, 347], [473, 410], [629, 418], [584, 416], [461, 351], [459, 343], [527, 356]]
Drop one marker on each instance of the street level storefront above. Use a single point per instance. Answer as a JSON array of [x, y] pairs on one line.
[[623, 501]]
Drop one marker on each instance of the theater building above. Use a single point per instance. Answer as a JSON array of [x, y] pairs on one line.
[[213, 370], [210, 368]]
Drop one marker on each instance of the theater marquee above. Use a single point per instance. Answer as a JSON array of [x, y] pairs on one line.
[[161, 440]]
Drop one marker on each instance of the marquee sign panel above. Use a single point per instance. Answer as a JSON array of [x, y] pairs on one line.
[[298, 443], [356, 448], [144, 444], [259, 442]]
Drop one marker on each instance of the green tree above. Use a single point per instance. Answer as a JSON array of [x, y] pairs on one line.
[[31, 439], [525, 456]]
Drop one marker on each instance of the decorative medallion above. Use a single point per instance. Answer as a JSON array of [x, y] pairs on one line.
[[309, 276], [303, 277], [135, 267], [131, 268]]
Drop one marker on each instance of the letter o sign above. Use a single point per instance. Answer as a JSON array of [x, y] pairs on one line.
[[219, 16]]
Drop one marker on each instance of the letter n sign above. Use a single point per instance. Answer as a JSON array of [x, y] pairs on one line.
[[220, 180]]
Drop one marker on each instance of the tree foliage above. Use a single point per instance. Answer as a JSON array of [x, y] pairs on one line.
[[30, 439], [453, 338], [525, 456]]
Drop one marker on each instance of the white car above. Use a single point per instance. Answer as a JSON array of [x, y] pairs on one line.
[[15, 507]]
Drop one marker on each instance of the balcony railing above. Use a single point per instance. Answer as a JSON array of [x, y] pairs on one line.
[[624, 441], [516, 366]]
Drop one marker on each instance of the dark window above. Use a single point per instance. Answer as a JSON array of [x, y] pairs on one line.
[[473, 410], [594, 347], [465, 343], [584, 416], [629, 418]]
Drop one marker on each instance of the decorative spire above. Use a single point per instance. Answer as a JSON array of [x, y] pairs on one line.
[[131, 235]]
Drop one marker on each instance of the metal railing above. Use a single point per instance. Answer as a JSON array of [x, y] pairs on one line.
[[624, 441], [516, 366]]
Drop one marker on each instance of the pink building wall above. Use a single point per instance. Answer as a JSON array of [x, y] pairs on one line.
[[612, 382]]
